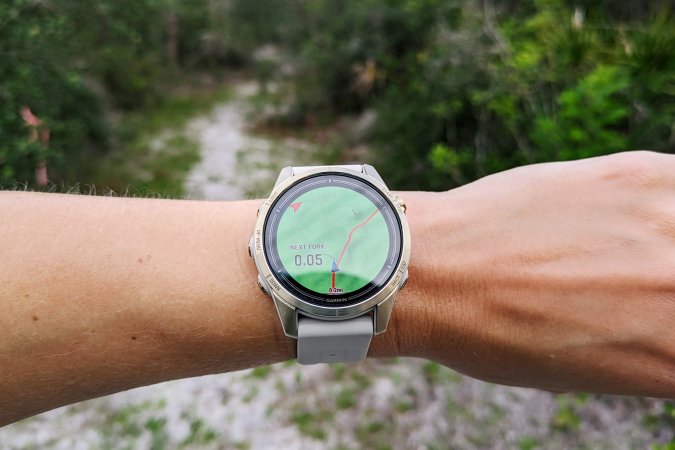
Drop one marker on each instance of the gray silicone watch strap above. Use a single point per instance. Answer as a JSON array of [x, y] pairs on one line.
[[322, 341]]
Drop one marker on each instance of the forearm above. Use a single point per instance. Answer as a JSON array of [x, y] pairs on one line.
[[103, 294], [558, 276], [99, 295]]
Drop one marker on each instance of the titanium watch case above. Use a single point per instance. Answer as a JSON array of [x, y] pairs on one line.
[[288, 305]]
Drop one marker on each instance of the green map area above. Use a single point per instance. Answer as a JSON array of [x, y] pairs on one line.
[[332, 240]]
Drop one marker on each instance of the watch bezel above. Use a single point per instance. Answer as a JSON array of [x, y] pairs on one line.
[[337, 311], [324, 180]]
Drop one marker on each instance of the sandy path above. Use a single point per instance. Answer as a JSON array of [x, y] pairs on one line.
[[222, 135], [234, 163]]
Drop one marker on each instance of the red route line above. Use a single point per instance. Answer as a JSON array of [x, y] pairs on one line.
[[349, 239]]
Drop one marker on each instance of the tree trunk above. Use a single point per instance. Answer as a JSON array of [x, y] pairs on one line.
[[171, 27]]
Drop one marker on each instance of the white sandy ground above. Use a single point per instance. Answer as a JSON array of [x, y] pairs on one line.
[[398, 404], [233, 162], [222, 134], [249, 412]]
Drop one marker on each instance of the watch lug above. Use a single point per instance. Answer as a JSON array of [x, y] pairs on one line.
[[285, 173], [288, 316], [370, 171], [382, 313]]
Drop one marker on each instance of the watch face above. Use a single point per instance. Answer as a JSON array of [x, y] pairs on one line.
[[332, 240]]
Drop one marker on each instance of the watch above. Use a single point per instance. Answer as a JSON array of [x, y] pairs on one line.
[[332, 248]]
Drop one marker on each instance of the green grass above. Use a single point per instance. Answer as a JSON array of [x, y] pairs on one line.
[[124, 427], [261, 372], [153, 152], [432, 371], [668, 446], [346, 399], [339, 370], [251, 394], [374, 434], [157, 427], [175, 109], [528, 443], [200, 433], [404, 406], [566, 418], [311, 424]]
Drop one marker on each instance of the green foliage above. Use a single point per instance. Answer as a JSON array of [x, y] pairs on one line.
[[375, 435], [79, 64], [312, 424], [129, 423], [668, 446], [157, 428], [566, 417], [155, 152], [339, 370], [261, 372], [669, 410], [348, 48], [588, 118], [45, 66], [251, 394], [33, 43], [462, 90], [664, 419], [528, 443], [123, 46], [346, 399], [200, 433], [432, 371]]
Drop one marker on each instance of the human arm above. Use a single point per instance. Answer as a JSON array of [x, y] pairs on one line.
[[558, 276], [100, 294], [554, 276]]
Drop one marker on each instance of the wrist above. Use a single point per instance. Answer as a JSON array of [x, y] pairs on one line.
[[437, 307], [439, 304], [228, 323]]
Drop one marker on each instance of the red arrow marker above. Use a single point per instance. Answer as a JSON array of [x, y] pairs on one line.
[[296, 206]]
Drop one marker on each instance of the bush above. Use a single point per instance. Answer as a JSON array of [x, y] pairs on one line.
[[33, 43], [462, 90]]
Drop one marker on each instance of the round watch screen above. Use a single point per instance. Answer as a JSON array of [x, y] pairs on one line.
[[332, 239]]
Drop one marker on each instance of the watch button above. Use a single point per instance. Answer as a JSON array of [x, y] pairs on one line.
[[401, 203], [262, 288], [248, 244]]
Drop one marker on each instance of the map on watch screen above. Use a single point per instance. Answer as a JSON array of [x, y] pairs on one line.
[[332, 240]]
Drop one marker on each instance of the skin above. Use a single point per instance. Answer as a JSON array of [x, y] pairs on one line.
[[556, 276]]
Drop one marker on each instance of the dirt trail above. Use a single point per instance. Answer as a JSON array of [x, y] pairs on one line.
[[222, 135], [235, 164]]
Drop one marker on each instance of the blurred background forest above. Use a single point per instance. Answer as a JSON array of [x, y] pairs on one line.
[[185, 98], [452, 90]]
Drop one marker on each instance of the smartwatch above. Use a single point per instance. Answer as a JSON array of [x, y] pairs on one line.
[[332, 248]]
